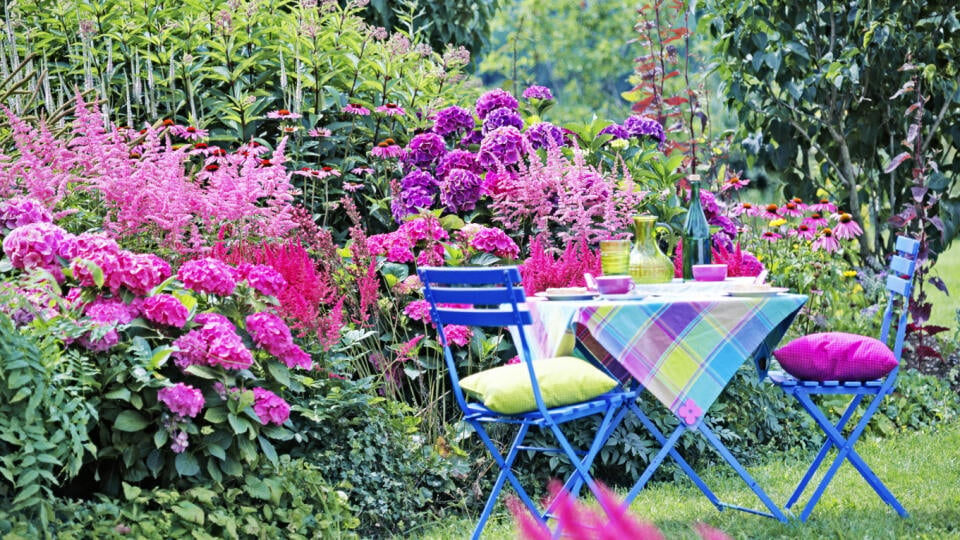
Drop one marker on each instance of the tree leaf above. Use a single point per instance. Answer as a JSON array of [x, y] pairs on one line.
[[189, 511], [187, 464], [130, 421]]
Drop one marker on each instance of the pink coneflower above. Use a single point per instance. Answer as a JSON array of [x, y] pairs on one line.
[[803, 232], [770, 236], [387, 149], [190, 133], [742, 208], [816, 219], [824, 205], [734, 182], [282, 114], [352, 187], [791, 209], [846, 227], [319, 132], [355, 108], [326, 171], [391, 109], [362, 171], [770, 211], [289, 130], [826, 241]]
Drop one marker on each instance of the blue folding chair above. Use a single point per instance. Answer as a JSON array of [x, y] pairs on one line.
[[900, 285], [496, 296]]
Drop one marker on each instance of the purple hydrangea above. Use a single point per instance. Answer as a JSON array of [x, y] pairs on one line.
[[495, 99], [727, 232], [39, 245], [641, 126], [460, 191], [502, 117], [616, 130], [17, 211], [544, 135], [453, 120], [425, 149], [471, 138], [538, 92], [457, 159], [417, 190], [501, 147]]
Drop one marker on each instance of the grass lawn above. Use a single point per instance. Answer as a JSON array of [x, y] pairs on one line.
[[921, 468], [945, 307]]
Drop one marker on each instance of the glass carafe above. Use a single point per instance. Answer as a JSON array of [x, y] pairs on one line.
[[647, 263]]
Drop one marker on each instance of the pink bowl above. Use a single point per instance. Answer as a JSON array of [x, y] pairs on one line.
[[709, 272], [614, 284]]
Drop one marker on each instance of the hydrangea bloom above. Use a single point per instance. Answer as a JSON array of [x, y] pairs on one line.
[[182, 399], [107, 312], [417, 190], [18, 211], [495, 99], [502, 117], [294, 356], [458, 334], [452, 121], [460, 191], [270, 333], [491, 240], [207, 275], [616, 130], [38, 245], [501, 147], [423, 228], [265, 279], [395, 247], [165, 309], [544, 135], [641, 126], [418, 310], [270, 408], [457, 159], [424, 150], [139, 272], [216, 343], [538, 92]]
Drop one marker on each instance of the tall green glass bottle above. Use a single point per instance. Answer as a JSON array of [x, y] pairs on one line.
[[696, 232]]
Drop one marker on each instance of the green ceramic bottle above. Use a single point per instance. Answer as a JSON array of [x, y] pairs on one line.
[[647, 263], [696, 232]]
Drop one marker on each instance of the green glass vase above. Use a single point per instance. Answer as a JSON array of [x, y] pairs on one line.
[[647, 263]]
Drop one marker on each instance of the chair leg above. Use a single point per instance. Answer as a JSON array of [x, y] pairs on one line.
[[827, 445], [846, 452], [505, 464], [611, 420]]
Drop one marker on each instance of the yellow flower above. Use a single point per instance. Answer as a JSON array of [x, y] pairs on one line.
[[777, 222], [850, 273]]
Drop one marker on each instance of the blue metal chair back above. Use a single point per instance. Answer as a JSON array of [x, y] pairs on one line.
[[902, 267]]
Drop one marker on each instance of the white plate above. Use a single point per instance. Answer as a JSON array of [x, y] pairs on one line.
[[620, 297], [567, 297], [757, 291]]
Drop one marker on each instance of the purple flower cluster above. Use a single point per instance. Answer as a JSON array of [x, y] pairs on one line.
[[182, 400], [641, 126], [538, 92], [424, 150], [271, 334], [165, 309], [269, 407], [544, 135], [417, 191], [616, 130], [489, 240], [214, 343], [460, 190], [502, 117], [208, 275], [452, 121], [18, 211], [106, 313], [39, 245], [501, 147], [262, 278], [495, 99], [458, 159]]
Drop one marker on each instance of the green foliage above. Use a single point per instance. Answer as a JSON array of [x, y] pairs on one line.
[[814, 91], [294, 501]]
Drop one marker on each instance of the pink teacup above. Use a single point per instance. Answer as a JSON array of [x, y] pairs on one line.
[[614, 284]]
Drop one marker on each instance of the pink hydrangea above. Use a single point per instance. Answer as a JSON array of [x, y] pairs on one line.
[[165, 309], [423, 228], [265, 279], [395, 246], [141, 272], [208, 275], [294, 356], [111, 310], [493, 240], [38, 245], [431, 256], [99, 250], [270, 333], [18, 211], [182, 399], [215, 343], [270, 408], [458, 334], [418, 310]]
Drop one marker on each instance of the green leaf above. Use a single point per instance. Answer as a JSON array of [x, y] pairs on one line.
[[256, 488], [280, 372], [189, 511], [121, 394], [203, 372], [268, 450], [130, 421], [159, 358], [131, 492], [239, 425], [187, 464], [215, 415]]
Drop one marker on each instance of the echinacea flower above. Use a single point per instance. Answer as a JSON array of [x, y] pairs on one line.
[[815, 220], [846, 227], [362, 171], [803, 232], [734, 182], [387, 149], [391, 109], [770, 236], [352, 186], [357, 109], [282, 114], [771, 212], [824, 205], [319, 132], [190, 133], [791, 209], [826, 241]]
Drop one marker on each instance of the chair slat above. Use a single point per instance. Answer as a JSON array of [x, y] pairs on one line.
[[908, 246], [898, 285], [487, 296], [902, 266], [470, 275], [481, 317]]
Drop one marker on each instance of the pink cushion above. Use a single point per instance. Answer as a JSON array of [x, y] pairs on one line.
[[836, 356]]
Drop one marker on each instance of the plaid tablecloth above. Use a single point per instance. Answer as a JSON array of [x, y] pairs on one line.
[[683, 349]]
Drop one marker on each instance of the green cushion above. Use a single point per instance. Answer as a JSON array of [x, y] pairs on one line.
[[563, 380]]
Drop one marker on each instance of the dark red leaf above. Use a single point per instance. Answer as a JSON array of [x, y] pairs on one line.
[[671, 75], [676, 100], [937, 282], [928, 352], [932, 329], [641, 106]]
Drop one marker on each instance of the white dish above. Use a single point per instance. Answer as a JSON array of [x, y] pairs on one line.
[[566, 296], [620, 297], [757, 291]]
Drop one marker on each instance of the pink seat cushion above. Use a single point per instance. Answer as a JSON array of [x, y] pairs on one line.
[[836, 356]]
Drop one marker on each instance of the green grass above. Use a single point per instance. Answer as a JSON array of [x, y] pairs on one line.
[[921, 468], [945, 307]]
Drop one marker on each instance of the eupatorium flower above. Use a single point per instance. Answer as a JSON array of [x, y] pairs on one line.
[[269, 407], [182, 399], [207, 275]]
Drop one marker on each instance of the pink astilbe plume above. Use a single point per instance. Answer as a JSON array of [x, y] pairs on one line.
[[543, 269]]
